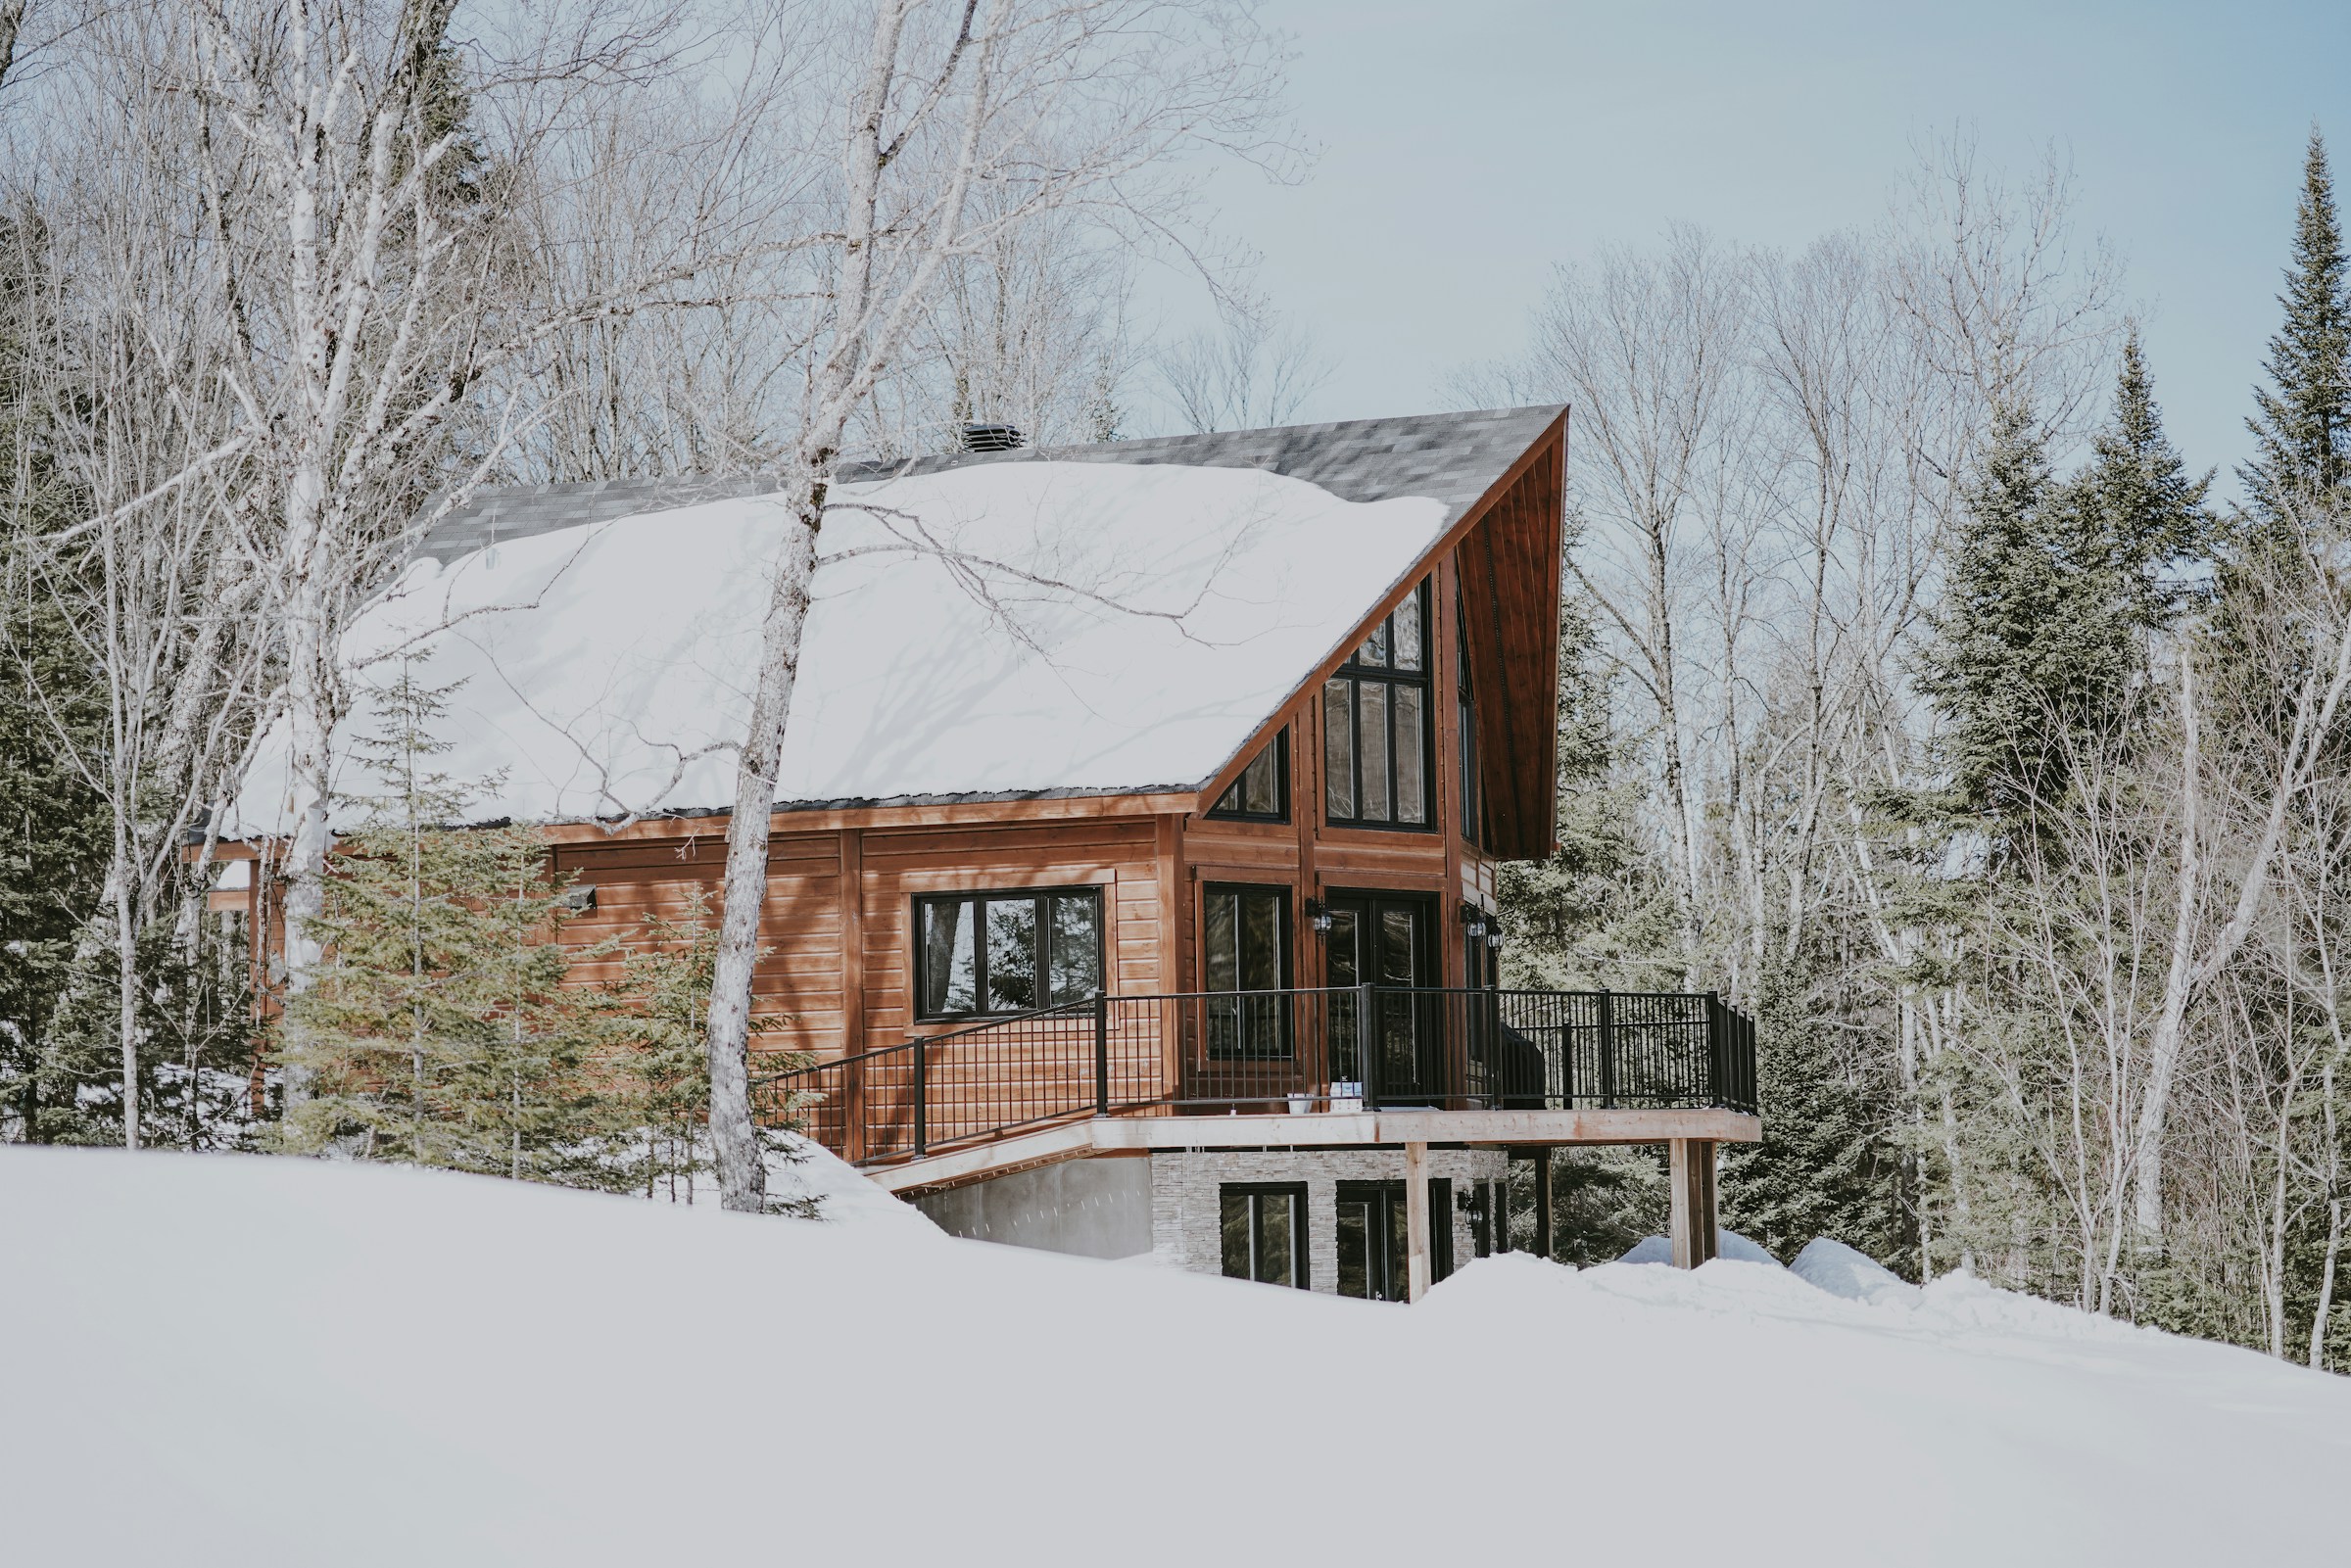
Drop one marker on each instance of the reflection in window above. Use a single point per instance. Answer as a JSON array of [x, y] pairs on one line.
[[1263, 790], [1244, 942], [1264, 1233], [1375, 729], [994, 953]]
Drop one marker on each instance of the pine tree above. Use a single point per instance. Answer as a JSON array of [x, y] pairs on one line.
[[1824, 1168], [665, 992], [440, 1031], [2302, 421], [2134, 513], [51, 867], [53, 857], [2053, 592], [1999, 649]]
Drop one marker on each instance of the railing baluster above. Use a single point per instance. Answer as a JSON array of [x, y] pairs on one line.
[[922, 1143], [1101, 1056], [1607, 1051]]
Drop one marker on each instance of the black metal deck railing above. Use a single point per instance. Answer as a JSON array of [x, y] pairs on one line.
[[1361, 1048]]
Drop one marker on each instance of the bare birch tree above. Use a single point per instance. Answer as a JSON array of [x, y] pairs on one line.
[[1049, 107]]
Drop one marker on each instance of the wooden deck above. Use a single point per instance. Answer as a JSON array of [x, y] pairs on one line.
[[1097, 1137]]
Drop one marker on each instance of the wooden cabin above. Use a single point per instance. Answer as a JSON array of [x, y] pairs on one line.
[[1165, 921]]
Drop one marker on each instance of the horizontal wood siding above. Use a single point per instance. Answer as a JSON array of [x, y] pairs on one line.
[[796, 987]]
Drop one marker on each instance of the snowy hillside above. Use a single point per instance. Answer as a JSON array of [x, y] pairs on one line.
[[279, 1361]]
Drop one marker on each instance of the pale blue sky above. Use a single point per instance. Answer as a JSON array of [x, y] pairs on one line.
[[1468, 146]]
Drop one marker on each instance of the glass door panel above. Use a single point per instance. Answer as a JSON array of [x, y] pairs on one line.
[[1383, 940], [1371, 1241]]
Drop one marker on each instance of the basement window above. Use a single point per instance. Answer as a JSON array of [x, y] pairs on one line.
[[1262, 1228], [985, 955]]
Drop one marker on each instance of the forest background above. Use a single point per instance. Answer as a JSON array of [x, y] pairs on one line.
[[1919, 696]]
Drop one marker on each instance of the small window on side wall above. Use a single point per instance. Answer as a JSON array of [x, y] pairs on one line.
[[989, 954], [1261, 793]]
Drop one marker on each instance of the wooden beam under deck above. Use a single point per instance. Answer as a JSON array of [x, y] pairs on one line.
[[1096, 1136]]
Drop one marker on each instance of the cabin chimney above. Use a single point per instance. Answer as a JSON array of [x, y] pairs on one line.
[[991, 438]]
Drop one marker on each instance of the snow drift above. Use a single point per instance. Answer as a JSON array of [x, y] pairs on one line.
[[248, 1361], [1163, 612]]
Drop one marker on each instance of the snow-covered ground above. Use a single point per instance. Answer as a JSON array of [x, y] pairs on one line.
[[250, 1360]]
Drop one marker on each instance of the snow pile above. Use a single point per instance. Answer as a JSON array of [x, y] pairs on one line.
[[803, 1170], [1841, 1271], [256, 1361], [1164, 612], [1727, 1244]]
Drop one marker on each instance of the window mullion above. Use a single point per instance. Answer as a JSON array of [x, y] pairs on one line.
[[1042, 954], [983, 994], [1395, 800], [1355, 745]]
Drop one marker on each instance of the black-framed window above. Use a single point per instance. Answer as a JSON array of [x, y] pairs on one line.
[[1263, 1226], [1245, 946], [983, 954], [1472, 782], [1261, 793], [1377, 725]]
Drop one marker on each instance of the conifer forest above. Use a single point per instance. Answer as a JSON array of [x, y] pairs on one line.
[[1920, 694]]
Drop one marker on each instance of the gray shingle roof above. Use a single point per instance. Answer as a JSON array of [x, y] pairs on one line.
[[1452, 457]]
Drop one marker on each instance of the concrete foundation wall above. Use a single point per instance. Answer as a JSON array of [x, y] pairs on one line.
[[1090, 1207]]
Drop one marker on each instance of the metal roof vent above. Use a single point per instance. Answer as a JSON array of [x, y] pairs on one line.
[[991, 437]]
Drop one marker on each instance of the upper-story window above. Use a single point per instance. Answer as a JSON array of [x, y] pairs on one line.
[[978, 954], [1261, 793], [1375, 726]]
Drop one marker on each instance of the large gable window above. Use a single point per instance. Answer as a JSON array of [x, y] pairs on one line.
[[985, 954], [1261, 793], [1375, 726]]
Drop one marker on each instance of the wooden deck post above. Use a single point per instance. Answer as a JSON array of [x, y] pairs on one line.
[[1543, 1225], [1415, 1220], [1695, 1222]]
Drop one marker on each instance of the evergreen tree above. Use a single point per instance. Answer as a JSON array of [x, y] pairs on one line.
[[54, 858], [440, 1031], [50, 871], [2052, 593], [1824, 1168], [665, 990], [2302, 420], [2133, 514], [2001, 653]]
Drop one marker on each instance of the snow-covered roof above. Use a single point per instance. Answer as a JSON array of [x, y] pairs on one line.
[[1095, 620]]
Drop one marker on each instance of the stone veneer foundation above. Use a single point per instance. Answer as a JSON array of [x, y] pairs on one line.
[[1185, 1210]]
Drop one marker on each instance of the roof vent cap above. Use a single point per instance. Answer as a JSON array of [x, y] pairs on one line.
[[991, 438]]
